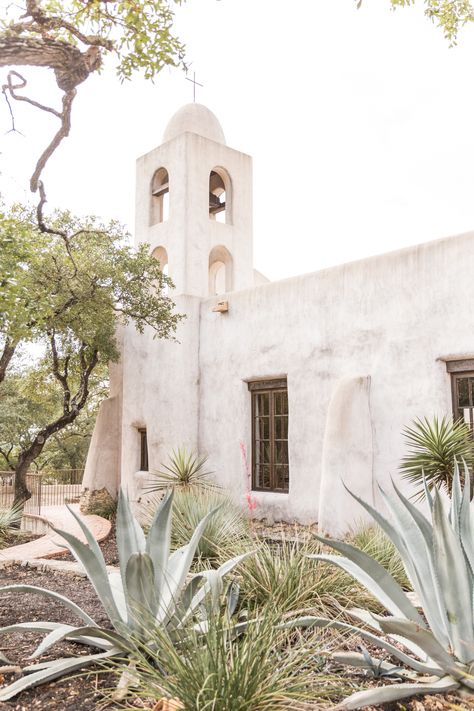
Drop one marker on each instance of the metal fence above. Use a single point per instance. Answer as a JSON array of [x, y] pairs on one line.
[[54, 488]]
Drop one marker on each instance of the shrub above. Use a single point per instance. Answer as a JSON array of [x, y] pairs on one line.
[[434, 447], [9, 523], [436, 648], [261, 670], [151, 589], [227, 531]]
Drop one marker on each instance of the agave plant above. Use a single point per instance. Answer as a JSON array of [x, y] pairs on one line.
[[436, 648], [186, 470], [152, 589], [434, 446]]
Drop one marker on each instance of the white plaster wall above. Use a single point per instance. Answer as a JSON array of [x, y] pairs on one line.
[[391, 317], [160, 383]]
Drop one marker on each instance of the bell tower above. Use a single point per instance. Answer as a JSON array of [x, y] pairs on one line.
[[194, 206]]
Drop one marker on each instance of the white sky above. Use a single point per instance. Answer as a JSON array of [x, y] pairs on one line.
[[360, 123]]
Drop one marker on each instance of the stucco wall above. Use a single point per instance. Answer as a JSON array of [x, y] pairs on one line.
[[391, 317]]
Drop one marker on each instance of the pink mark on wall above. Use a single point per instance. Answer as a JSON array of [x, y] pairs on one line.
[[251, 501]]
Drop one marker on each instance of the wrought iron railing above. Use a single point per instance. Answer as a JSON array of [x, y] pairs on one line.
[[52, 488]]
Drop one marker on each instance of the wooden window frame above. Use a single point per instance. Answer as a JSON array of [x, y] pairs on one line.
[[144, 464], [458, 370], [258, 387]]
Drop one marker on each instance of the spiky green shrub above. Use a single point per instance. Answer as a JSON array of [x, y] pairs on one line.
[[434, 447], [227, 531], [186, 470], [9, 522], [220, 671], [437, 652], [152, 588]]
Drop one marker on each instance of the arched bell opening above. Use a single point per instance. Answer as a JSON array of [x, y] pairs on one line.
[[161, 255], [220, 271], [219, 195], [160, 193]]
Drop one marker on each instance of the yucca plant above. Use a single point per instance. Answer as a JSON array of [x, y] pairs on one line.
[[9, 522], [186, 470], [434, 447], [437, 651], [153, 588], [226, 532]]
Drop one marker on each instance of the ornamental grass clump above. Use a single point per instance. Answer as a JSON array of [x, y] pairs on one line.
[[9, 522], [153, 588], [434, 649], [226, 532], [261, 670]]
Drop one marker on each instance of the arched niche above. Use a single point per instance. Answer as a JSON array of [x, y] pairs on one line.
[[161, 255], [220, 195], [160, 193], [220, 271]]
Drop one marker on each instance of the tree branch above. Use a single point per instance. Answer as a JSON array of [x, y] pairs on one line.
[[7, 354]]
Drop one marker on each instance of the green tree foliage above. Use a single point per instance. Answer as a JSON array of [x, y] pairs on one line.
[[29, 401], [65, 294], [449, 15]]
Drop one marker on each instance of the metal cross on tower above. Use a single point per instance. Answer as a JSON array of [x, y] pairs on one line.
[[195, 83]]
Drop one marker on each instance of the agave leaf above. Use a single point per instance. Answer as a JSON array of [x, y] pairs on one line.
[[210, 581], [368, 618], [56, 596], [51, 672], [130, 536], [355, 659], [465, 520], [393, 535], [232, 597], [456, 499], [68, 631], [427, 491], [96, 574], [417, 535], [118, 593], [91, 541], [140, 586], [158, 540], [311, 621], [372, 575], [178, 569], [395, 692], [427, 641], [455, 583], [4, 659]]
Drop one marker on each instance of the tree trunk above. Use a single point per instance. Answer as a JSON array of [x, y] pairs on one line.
[[5, 358]]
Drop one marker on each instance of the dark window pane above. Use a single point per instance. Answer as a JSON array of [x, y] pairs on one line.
[[262, 429], [463, 392], [281, 427], [281, 403], [262, 404], [281, 452], [262, 479], [282, 478]]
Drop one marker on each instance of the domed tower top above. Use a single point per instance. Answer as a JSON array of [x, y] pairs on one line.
[[194, 118]]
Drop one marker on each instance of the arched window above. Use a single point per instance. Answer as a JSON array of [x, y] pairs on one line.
[[220, 271], [160, 190], [219, 195], [161, 255]]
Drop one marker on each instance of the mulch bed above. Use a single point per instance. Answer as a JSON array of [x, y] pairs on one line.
[[80, 693], [16, 539]]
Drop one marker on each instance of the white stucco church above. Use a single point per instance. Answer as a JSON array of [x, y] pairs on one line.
[[315, 376]]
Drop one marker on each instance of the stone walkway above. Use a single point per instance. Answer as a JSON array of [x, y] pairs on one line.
[[49, 545]]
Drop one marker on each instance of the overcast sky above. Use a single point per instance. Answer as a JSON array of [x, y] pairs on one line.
[[360, 123]]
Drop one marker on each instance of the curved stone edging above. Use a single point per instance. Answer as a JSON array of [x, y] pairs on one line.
[[49, 545]]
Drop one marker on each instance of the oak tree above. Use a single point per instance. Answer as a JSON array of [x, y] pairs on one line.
[[65, 292]]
